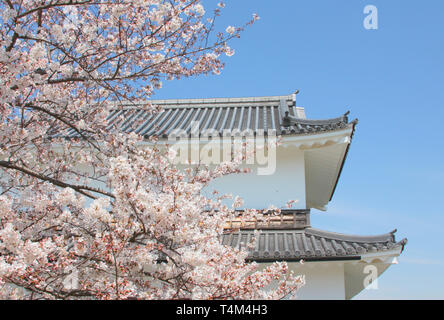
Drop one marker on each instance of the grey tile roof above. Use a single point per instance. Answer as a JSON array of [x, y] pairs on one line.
[[309, 244], [258, 114]]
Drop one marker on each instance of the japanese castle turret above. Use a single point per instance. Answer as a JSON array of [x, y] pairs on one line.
[[304, 166]]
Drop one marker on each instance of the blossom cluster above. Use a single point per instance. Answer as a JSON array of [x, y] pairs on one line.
[[85, 212]]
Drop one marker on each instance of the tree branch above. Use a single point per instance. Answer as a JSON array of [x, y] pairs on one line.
[[79, 189]]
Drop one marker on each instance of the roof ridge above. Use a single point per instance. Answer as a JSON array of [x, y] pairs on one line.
[[351, 237], [289, 97]]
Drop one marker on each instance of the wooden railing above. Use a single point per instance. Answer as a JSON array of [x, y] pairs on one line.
[[286, 219]]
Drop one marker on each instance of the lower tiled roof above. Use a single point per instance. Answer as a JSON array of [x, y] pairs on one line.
[[309, 244]]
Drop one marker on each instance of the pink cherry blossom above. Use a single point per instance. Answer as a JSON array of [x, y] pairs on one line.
[[85, 211]]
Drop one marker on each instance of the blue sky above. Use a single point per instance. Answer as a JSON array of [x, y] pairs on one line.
[[391, 79]]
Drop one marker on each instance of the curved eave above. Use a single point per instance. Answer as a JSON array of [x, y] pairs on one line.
[[343, 134], [298, 126], [319, 138], [354, 123], [325, 153]]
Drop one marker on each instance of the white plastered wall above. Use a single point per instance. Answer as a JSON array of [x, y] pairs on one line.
[[323, 280], [286, 183]]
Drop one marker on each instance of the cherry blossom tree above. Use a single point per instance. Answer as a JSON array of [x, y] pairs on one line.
[[98, 216]]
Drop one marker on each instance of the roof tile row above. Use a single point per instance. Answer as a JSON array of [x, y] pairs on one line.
[[308, 244]]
